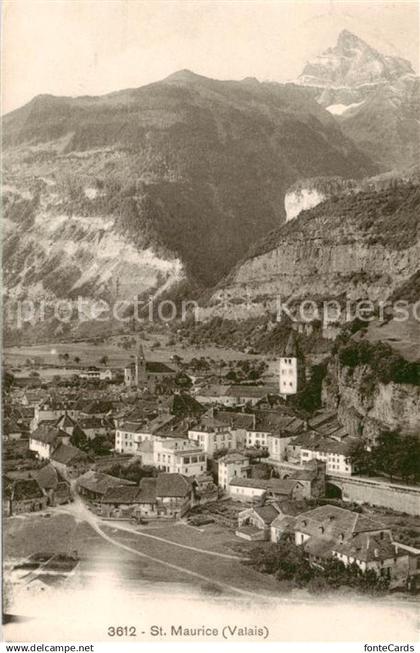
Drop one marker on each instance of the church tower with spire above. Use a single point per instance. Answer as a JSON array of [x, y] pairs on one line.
[[291, 368]]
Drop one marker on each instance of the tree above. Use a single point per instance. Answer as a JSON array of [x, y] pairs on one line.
[[79, 439], [99, 445], [8, 380], [388, 453], [410, 457], [361, 460], [77, 359], [104, 360]]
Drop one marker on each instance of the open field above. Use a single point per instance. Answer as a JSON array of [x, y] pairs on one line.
[[124, 578], [48, 363], [90, 352], [73, 528]]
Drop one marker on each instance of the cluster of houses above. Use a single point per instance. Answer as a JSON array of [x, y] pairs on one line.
[[166, 495], [233, 442], [330, 532]]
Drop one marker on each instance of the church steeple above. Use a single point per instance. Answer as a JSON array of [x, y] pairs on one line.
[[140, 373]]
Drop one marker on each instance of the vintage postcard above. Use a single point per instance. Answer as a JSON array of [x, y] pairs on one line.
[[211, 323]]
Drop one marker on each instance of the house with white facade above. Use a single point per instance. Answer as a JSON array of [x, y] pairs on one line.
[[232, 466], [332, 532], [212, 435], [335, 454], [45, 439], [96, 374], [273, 489], [129, 436], [179, 455]]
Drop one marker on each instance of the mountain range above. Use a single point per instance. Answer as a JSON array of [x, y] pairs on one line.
[[140, 191], [375, 98]]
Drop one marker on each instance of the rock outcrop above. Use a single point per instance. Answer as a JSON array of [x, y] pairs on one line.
[[370, 411], [355, 246]]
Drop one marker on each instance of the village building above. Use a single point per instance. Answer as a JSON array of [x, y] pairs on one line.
[[212, 435], [93, 426], [205, 490], [331, 532], [143, 374], [22, 495], [252, 490], [70, 461], [54, 485], [234, 396], [254, 523], [335, 453], [49, 410], [173, 494], [282, 524], [130, 434], [237, 422], [213, 394], [166, 496], [93, 485], [97, 407], [179, 455], [311, 475], [46, 438], [93, 373]]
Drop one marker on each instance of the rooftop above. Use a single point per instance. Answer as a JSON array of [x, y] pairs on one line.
[[172, 485], [47, 433], [332, 521], [66, 454], [98, 482]]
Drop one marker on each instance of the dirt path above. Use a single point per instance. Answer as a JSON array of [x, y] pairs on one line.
[[127, 529], [81, 513], [79, 510]]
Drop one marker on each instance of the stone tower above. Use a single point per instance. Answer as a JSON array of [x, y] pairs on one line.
[[291, 368]]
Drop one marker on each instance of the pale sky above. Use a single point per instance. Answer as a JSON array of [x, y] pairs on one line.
[[91, 47]]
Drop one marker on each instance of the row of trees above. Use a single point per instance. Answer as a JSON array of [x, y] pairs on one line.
[[394, 455]]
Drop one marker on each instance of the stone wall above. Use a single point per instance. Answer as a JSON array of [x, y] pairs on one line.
[[388, 495]]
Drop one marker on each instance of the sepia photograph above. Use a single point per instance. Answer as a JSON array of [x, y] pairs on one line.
[[210, 388]]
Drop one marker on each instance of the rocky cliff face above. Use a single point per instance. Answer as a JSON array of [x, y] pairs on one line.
[[367, 412], [50, 253], [141, 187], [374, 97], [362, 245]]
